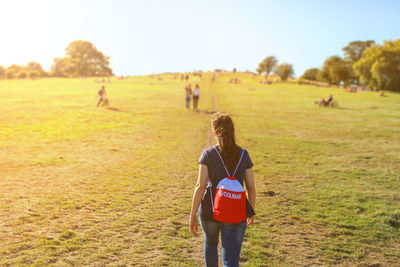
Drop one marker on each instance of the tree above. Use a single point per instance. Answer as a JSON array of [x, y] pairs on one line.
[[2, 73], [354, 50], [335, 71], [13, 71], [36, 69], [284, 71], [379, 66], [33, 74], [267, 65], [259, 70], [310, 74], [62, 67], [22, 75], [82, 59], [86, 60]]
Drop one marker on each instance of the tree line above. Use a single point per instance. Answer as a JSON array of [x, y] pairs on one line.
[[376, 66], [270, 65], [82, 59]]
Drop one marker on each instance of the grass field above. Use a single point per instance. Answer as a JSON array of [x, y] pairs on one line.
[[82, 185]]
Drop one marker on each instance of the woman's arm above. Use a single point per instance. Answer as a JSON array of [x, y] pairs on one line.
[[251, 190], [198, 196]]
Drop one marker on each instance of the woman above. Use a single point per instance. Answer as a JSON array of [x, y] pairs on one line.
[[188, 91], [196, 95], [212, 169]]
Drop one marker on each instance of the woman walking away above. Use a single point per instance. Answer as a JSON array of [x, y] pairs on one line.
[[188, 90], [196, 95], [222, 210]]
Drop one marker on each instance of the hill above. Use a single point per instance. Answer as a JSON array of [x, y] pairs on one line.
[[87, 185]]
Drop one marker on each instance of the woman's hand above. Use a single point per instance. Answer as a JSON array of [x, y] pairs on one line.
[[193, 225], [250, 221]]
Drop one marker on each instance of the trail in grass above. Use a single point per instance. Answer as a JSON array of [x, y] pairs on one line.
[[210, 137], [209, 142], [198, 250]]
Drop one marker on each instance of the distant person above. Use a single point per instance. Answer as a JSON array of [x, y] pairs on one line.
[[102, 96], [214, 77], [188, 91], [187, 77], [329, 100], [196, 96], [226, 159], [324, 102], [182, 77]]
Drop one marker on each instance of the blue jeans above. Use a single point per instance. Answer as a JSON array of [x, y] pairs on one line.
[[187, 102], [231, 238]]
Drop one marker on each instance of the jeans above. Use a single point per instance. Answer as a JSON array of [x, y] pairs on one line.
[[231, 238], [195, 101], [187, 102]]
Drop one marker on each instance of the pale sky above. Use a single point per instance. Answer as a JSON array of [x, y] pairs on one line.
[[150, 36]]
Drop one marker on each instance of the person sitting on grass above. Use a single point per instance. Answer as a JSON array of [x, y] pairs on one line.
[[324, 102], [102, 94]]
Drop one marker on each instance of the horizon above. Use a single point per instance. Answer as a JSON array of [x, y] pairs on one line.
[[159, 37]]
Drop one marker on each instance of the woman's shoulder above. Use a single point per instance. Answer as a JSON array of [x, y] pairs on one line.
[[245, 152], [242, 149], [209, 149], [206, 155], [246, 158]]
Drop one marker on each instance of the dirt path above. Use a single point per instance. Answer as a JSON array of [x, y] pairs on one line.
[[209, 142], [210, 136], [199, 246]]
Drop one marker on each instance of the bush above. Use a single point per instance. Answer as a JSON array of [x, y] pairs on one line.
[[10, 75], [22, 75], [2, 72], [33, 74]]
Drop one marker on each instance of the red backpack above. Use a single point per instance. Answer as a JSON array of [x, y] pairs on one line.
[[229, 204]]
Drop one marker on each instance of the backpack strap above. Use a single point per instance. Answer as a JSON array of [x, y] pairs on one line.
[[241, 156], [237, 166], [221, 160]]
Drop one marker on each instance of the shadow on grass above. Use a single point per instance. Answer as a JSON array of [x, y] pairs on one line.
[[113, 109], [206, 111], [341, 108]]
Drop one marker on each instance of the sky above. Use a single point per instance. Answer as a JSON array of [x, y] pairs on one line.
[[155, 36]]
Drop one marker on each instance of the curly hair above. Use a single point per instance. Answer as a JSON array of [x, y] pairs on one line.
[[224, 130]]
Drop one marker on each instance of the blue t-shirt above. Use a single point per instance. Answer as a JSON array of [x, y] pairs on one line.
[[216, 172]]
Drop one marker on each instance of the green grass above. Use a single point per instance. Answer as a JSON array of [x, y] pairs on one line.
[[335, 173], [86, 185]]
